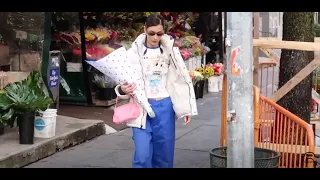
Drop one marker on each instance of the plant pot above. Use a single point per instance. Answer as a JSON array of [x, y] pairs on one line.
[[26, 127], [205, 88], [1, 129], [105, 93], [196, 89], [201, 88]]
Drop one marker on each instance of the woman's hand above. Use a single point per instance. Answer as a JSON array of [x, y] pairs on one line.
[[187, 120], [128, 88]]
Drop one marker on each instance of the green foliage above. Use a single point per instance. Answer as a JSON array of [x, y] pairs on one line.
[[20, 97]]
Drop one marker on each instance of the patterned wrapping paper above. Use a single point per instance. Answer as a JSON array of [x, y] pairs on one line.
[[117, 65]]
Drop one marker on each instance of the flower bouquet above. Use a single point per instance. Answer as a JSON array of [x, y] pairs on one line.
[[198, 82], [215, 81], [217, 67], [105, 86], [186, 53], [95, 51], [117, 65], [206, 71]]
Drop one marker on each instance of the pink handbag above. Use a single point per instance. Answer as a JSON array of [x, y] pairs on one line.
[[126, 112]]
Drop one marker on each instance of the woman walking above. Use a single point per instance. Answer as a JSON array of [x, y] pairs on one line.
[[170, 93]]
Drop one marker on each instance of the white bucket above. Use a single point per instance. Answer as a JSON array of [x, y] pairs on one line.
[[213, 84], [190, 66], [45, 124], [220, 83], [199, 61]]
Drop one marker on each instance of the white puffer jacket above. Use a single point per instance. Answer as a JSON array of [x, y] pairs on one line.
[[179, 84]]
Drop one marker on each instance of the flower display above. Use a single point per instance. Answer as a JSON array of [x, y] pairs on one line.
[[189, 46], [127, 15], [206, 71], [186, 53], [196, 76], [218, 68], [95, 52]]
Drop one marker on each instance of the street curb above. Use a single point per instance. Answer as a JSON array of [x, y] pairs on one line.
[[51, 146]]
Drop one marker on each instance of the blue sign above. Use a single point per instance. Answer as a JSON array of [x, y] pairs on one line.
[[53, 78], [39, 124]]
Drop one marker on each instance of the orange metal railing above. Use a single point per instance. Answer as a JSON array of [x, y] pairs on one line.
[[284, 132], [268, 84], [267, 77], [275, 128]]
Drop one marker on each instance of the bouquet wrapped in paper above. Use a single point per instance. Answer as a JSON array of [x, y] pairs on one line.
[[117, 66]]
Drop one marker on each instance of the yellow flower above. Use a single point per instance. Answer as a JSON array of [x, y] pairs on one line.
[[209, 71], [200, 69]]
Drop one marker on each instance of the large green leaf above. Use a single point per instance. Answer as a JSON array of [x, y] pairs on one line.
[[24, 96]]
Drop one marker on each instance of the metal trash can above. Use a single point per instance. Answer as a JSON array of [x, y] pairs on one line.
[[263, 158]]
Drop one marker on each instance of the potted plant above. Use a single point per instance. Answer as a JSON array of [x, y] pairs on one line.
[[20, 101], [196, 77], [208, 72]]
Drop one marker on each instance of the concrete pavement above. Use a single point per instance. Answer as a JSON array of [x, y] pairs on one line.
[[193, 143], [69, 132]]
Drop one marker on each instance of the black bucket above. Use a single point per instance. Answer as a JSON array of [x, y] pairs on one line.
[[113, 94], [201, 88], [1, 129], [196, 89], [105, 93], [205, 87], [26, 127]]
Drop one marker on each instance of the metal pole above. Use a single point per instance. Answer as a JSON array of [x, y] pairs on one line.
[[240, 90]]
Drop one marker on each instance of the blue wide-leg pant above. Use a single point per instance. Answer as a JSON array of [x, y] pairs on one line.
[[154, 146]]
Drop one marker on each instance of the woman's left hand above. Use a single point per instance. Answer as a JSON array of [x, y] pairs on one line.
[[187, 120]]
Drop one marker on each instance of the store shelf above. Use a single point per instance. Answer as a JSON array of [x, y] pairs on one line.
[[103, 103]]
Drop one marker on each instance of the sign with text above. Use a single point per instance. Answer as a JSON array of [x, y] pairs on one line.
[[53, 77]]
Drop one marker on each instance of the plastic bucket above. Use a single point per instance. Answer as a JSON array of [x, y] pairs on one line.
[[213, 84], [45, 123]]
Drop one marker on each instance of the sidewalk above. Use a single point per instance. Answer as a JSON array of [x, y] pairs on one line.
[[70, 132], [193, 143]]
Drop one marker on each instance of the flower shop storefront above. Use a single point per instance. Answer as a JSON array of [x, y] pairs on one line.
[[93, 35]]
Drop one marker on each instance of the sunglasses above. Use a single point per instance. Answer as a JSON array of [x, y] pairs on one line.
[[153, 33]]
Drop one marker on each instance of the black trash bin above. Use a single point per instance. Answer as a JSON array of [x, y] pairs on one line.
[[263, 158]]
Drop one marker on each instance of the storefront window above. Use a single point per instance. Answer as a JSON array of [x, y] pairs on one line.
[[104, 32]]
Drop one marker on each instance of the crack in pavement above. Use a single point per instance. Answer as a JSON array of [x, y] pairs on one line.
[[188, 132]]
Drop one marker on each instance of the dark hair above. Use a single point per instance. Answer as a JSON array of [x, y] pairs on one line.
[[154, 20]]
